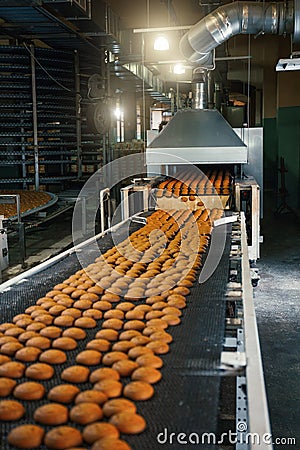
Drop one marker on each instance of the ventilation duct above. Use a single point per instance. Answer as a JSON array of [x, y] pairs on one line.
[[239, 18]]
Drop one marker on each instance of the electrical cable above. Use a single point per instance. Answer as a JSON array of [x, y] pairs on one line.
[[45, 70]]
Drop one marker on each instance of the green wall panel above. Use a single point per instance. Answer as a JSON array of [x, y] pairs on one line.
[[270, 154], [288, 130]]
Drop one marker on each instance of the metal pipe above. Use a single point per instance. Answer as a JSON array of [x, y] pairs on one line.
[[103, 193], [232, 19]]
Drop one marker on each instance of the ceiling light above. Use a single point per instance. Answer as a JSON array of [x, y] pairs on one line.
[[161, 43], [179, 69]]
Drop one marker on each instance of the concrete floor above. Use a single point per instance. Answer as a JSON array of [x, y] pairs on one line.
[[277, 302]]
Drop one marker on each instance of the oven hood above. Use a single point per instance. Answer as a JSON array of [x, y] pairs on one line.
[[199, 136]]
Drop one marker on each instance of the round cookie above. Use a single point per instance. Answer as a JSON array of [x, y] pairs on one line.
[[101, 345], [158, 347], [12, 369], [99, 430], [109, 444], [138, 390], [63, 437], [91, 396], [123, 346], [53, 356], [125, 367], [10, 348], [134, 325], [117, 405], [85, 322], [89, 357], [51, 414], [39, 371], [11, 410], [63, 393], [64, 320], [128, 422], [112, 388], [28, 354], [6, 386], [162, 336], [104, 373], [110, 358], [29, 390], [108, 334], [148, 374], [74, 312], [75, 374], [140, 340], [95, 314], [114, 314], [64, 343], [4, 359], [138, 351], [40, 342], [129, 334], [26, 436], [74, 333], [114, 324], [150, 360], [52, 332], [84, 413]]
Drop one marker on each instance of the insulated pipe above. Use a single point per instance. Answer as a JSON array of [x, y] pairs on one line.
[[236, 18]]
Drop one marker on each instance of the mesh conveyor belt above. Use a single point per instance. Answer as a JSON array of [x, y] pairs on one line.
[[186, 399]]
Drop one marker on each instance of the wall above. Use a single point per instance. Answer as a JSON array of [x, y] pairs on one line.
[[281, 110]]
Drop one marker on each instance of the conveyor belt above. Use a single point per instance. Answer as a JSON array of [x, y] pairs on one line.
[[186, 399]]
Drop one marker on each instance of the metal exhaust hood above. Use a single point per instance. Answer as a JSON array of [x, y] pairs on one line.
[[199, 136]]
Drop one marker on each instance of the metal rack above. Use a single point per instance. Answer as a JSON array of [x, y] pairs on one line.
[[38, 140]]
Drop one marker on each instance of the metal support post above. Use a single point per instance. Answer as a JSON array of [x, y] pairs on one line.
[[35, 120], [78, 115]]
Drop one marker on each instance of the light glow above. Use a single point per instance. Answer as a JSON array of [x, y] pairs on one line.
[[179, 69], [161, 43]]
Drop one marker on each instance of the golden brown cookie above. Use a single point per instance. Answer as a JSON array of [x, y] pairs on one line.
[[64, 320], [117, 405], [123, 346], [27, 335], [74, 333], [39, 371], [75, 374], [135, 352], [85, 322], [125, 306], [114, 324], [125, 367], [11, 410], [35, 326], [172, 311], [128, 422], [29, 390], [159, 347], [10, 348], [63, 437], [102, 305], [112, 388], [108, 443], [150, 360], [74, 312], [26, 436], [138, 390], [28, 354], [100, 430], [114, 314], [104, 373], [40, 342], [84, 413], [140, 340], [161, 336], [63, 393], [91, 396], [148, 374], [129, 334], [95, 314], [12, 369], [111, 357], [89, 357], [64, 343], [52, 332], [14, 331], [134, 325], [101, 345], [51, 414], [53, 356], [82, 304], [4, 359], [109, 334], [6, 386]]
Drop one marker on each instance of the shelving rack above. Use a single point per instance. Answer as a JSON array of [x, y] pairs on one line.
[[38, 139]]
